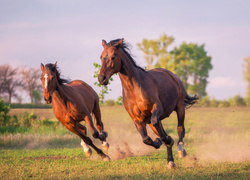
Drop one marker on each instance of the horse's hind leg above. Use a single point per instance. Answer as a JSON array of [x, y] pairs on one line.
[[141, 127], [87, 150], [103, 134], [181, 131]]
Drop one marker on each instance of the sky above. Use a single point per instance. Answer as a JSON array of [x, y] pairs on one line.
[[70, 32]]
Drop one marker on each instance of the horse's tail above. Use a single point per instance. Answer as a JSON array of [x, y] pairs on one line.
[[189, 101]]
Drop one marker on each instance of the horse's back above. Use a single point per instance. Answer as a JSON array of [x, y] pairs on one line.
[[170, 88], [84, 92], [165, 79]]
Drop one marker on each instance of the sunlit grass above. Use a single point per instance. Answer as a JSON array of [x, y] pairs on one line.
[[217, 143]]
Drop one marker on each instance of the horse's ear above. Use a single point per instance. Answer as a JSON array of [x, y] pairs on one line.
[[55, 64], [117, 45], [42, 66], [104, 43]]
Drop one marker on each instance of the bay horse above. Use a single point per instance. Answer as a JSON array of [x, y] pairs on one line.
[[73, 102], [148, 96]]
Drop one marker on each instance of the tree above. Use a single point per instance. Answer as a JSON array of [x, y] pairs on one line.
[[155, 51], [190, 62], [9, 81], [37, 97], [30, 78], [246, 72], [104, 89]]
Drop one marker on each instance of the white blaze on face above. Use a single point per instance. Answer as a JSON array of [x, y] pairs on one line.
[[46, 81]]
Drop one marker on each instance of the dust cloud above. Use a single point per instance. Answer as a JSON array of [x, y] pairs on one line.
[[125, 141], [225, 151]]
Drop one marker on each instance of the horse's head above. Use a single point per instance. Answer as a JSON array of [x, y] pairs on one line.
[[110, 61], [48, 79]]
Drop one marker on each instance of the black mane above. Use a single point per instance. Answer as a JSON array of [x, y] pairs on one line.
[[126, 49], [55, 69]]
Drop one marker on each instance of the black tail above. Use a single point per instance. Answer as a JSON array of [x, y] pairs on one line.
[[189, 101]]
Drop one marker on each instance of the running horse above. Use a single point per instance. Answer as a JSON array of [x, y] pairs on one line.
[[72, 103], [148, 96]]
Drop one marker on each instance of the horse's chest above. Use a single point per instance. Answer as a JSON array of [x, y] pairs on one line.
[[139, 111]]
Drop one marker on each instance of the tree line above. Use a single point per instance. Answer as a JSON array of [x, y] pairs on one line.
[[14, 81], [189, 62]]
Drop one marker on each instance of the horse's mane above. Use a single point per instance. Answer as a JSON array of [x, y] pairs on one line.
[[55, 69], [126, 49]]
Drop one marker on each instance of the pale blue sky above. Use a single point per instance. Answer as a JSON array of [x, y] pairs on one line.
[[70, 32]]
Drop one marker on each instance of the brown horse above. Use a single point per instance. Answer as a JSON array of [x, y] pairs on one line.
[[72, 103], [148, 96]]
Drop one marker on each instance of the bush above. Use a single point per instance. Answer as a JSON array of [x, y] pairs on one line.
[[27, 119], [224, 103], [109, 102], [214, 103], [205, 101], [4, 109], [237, 100]]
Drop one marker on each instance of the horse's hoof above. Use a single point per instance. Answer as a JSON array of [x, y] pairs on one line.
[[105, 145], [103, 135], [88, 152], [158, 143], [105, 158], [182, 154], [171, 165]]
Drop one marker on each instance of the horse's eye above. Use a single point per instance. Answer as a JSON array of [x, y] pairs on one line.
[[113, 58], [52, 77]]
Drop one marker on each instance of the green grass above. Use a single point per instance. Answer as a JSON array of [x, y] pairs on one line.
[[217, 143], [72, 164]]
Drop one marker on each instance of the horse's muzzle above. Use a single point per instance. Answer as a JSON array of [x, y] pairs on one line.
[[49, 100], [103, 80]]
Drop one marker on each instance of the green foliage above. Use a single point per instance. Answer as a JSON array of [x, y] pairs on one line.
[[27, 119], [4, 109], [37, 97], [155, 51], [190, 61], [104, 89], [119, 100], [237, 100]]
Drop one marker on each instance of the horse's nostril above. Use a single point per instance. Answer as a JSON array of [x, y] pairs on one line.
[[49, 100], [101, 78]]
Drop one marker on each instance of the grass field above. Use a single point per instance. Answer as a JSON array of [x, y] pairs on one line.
[[217, 142]]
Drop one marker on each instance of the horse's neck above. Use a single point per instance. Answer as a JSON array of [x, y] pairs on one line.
[[59, 97], [130, 76]]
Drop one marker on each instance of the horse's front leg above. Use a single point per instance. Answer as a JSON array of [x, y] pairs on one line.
[[167, 140], [73, 127], [102, 136], [141, 127]]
